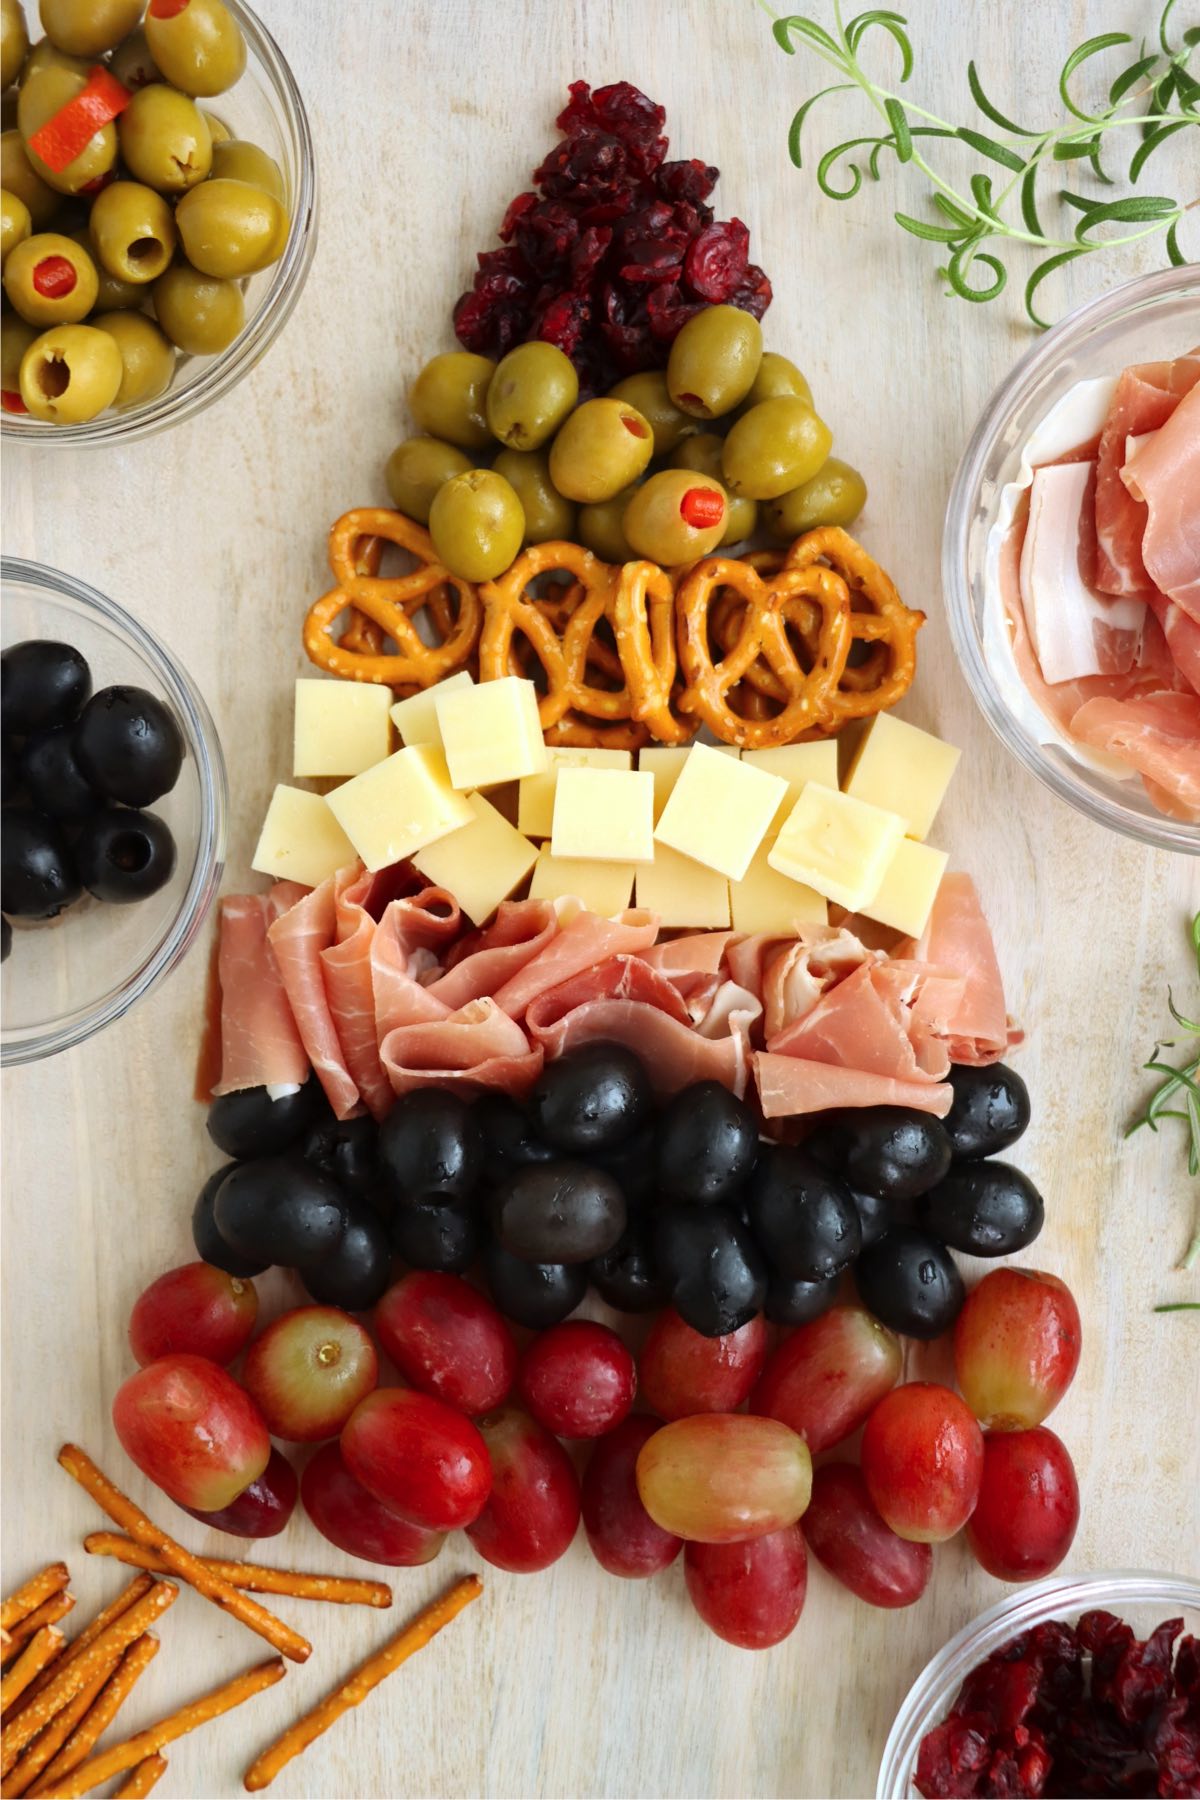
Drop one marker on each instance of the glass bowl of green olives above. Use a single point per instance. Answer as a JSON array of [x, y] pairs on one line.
[[148, 266], [137, 852]]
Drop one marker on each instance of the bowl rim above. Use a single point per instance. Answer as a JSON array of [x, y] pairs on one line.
[[1164, 833], [225, 370], [208, 864]]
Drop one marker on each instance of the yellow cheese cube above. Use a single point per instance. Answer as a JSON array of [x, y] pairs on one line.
[[490, 733], [535, 807], [341, 727], [910, 884], [719, 811], [604, 815], [403, 803], [904, 770], [683, 892], [605, 888], [838, 845], [482, 863], [416, 718], [300, 839], [798, 764], [666, 763], [765, 900]]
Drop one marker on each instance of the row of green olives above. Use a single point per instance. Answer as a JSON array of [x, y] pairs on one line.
[[196, 45]]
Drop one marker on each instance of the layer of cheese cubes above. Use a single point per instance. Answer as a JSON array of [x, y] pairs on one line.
[[719, 811], [605, 888], [416, 718], [836, 844], [902, 770], [683, 892]]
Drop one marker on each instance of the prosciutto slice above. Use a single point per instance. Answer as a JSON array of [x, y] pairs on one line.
[[789, 1086], [967, 1013], [583, 942], [297, 939], [701, 952], [260, 1045], [1159, 736], [867, 1023], [1145, 397], [484, 960], [474, 1047], [1164, 474]]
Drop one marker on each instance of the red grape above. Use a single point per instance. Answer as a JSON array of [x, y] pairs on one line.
[[418, 1455], [1016, 1347], [344, 1512], [624, 1538], [196, 1309], [262, 1509], [922, 1457], [847, 1535], [1028, 1508], [750, 1594], [533, 1511], [308, 1371], [578, 1379], [682, 1372], [448, 1340], [826, 1376], [721, 1477], [192, 1430]]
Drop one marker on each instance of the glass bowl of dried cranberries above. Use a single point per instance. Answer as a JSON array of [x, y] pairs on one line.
[[1080, 1684]]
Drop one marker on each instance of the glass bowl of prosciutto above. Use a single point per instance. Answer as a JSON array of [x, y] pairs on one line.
[[1071, 560], [113, 813]]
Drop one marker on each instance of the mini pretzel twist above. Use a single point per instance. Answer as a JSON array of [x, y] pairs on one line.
[[885, 622]]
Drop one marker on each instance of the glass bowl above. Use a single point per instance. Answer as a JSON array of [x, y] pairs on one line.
[[264, 106], [67, 978], [1143, 1599], [1148, 320]]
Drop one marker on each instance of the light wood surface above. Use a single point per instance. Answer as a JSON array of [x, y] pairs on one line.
[[428, 117]]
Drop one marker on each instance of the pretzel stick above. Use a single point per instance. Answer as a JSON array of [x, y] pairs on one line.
[[91, 1727], [125, 1599], [147, 1775], [359, 1684], [39, 1587], [41, 1648], [123, 1756], [50, 1741], [122, 1511], [252, 1578]]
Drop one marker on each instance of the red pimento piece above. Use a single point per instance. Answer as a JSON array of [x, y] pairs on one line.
[[68, 133], [12, 402], [702, 508], [166, 9], [54, 277]]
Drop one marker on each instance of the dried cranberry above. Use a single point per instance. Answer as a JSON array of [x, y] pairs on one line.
[[1019, 1764], [716, 261], [950, 1760], [562, 322], [626, 113], [1004, 1692], [652, 261], [1142, 1676], [669, 312], [753, 293], [546, 234], [587, 257], [1187, 1668], [1172, 1738], [689, 180], [516, 208]]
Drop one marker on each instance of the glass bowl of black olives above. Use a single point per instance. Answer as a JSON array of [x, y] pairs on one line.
[[112, 826]]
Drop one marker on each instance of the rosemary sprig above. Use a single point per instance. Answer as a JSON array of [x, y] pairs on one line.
[[1151, 99], [1181, 1084]]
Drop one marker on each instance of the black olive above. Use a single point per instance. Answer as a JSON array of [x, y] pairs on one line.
[[281, 1209], [560, 1212], [53, 779], [627, 1276], [431, 1146], [356, 1272], [249, 1123], [791, 1302], [591, 1100], [707, 1143], [874, 1215], [510, 1141], [893, 1151], [633, 1166], [210, 1245], [123, 855], [983, 1209], [990, 1110], [344, 1149], [128, 745], [910, 1282], [42, 683], [10, 774], [446, 1235], [716, 1272], [535, 1294], [803, 1217], [37, 873]]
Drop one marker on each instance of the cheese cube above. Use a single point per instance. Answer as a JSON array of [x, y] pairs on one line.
[[605, 888], [720, 810], [838, 845], [683, 892], [300, 839], [798, 764], [416, 718], [910, 884], [403, 803], [666, 762], [535, 807], [604, 815], [481, 864], [765, 900], [341, 727], [490, 733], [903, 770]]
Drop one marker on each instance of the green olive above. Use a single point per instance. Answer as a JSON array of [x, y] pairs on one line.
[[775, 446], [198, 46], [50, 280], [218, 129], [201, 314], [714, 360], [476, 524], [19, 176], [703, 452], [601, 448], [236, 160], [45, 93], [601, 527], [46, 55], [147, 359], [532, 391], [677, 517], [547, 515], [133, 230], [165, 140], [777, 377], [70, 373], [14, 41], [229, 228], [448, 399], [112, 295], [648, 393], [415, 471], [88, 27], [15, 339], [835, 495], [15, 223], [132, 63]]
